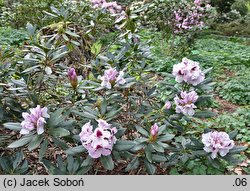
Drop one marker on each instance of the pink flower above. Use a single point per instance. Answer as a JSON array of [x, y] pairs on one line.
[[36, 119], [112, 7], [185, 104], [111, 77], [167, 105], [188, 71], [154, 130], [100, 141], [73, 77], [217, 142]]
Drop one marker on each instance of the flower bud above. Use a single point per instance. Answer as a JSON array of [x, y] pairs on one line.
[[167, 105], [73, 77], [154, 130]]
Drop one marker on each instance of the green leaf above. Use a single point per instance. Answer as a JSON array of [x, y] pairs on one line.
[[75, 150], [85, 114], [112, 113], [107, 162], [166, 137], [149, 167], [103, 106], [233, 134], [21, 142], [142, 131], [83, 170], [124, 145], [157, 147], [59, 132], [96, 48], [158, 158], [88, 161], [120, 132], [237, 149], [148, 154], [204, 114], [13, 126], [43, 149], [18, 159], [133, 164], [55, 118], [72, 33], [35, 142]]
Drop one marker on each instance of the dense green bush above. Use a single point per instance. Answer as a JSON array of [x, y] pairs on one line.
[[223, 6], [240, 6], [19, 13]]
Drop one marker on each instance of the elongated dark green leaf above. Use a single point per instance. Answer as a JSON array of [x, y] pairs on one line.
[[148, 154], [88, 161], [83, 170], [120, 132], [43, 149], [21, 142], [124, 145], [85, 114], [55, 118], [142, 131], [158, 158], [166, 137], [149, 167], [75, 150], [204, 114], [233, 134], [59, 132], [103, 106], [13, 126], [107, 162], [35, 142], [133, 164], [157, 147], [237, 149], [18, 159]]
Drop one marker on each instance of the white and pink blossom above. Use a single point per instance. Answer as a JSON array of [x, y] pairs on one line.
[[100, 141], [188, 71], [185, 103], [34, 120], [217, 142], [112, 77]]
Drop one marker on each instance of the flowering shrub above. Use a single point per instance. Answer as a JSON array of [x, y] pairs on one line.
[[190, 16], [103, 106]]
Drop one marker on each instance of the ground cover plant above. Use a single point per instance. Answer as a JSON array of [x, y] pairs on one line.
[[92, 87]]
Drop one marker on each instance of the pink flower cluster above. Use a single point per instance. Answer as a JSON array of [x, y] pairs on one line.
[[112, 7], [185, 103], [217, 142], [100, 141], [36, 119], [190, 16], [112, 77], [189, 72]]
